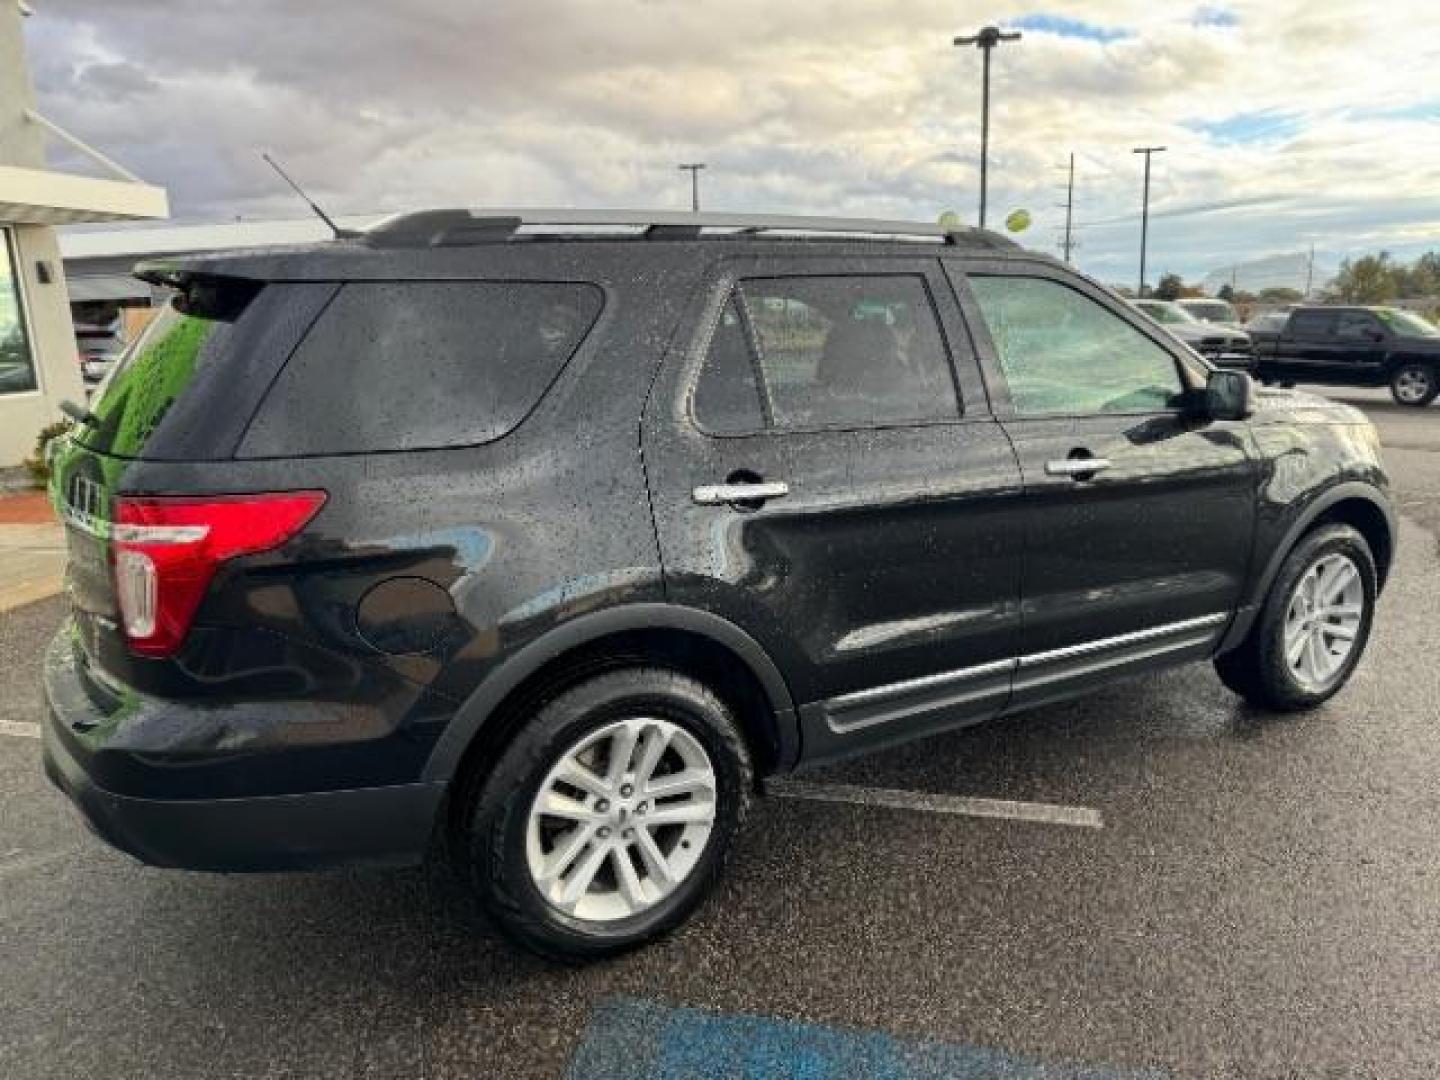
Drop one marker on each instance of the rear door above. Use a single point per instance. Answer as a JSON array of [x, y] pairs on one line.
[[826, 474], [1138, 519], [1361, 345]]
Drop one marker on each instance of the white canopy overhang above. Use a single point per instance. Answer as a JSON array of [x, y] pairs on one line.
[[42, 197]]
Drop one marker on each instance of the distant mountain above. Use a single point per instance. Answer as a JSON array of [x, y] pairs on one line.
[[1284, 271]]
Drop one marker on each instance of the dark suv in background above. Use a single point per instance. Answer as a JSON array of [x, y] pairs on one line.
[[1353, 346], [539, 542]]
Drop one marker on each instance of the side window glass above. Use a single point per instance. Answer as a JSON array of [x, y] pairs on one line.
[[727, 397], [850, 351], [1356, 326], [1063, 353], [1311, 324]]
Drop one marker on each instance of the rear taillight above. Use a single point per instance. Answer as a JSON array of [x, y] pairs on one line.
[[167, 548]]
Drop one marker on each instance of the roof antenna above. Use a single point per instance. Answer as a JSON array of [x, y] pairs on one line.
[[340, 234]]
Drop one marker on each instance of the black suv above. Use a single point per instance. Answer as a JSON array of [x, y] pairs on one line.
[[539, 543], [1353, 346]]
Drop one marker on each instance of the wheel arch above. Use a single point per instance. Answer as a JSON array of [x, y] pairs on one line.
[[698, 642], [1356, 504]]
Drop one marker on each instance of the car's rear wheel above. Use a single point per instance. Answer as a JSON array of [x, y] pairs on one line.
[[1313, 627], [609, 816], [1414, 384]]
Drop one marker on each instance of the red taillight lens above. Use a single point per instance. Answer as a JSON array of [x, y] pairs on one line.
[[167, 548]]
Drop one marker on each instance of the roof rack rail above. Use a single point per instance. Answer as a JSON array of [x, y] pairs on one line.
[[455, 228]]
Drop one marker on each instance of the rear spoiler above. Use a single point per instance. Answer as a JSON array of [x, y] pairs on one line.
[[204, 292]]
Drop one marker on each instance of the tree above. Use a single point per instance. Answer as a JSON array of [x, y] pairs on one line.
[[1169, 287], [1226, 293], [1372, 279], [1422, 277]]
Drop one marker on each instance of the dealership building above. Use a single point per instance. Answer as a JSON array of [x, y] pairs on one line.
[[39, 364]]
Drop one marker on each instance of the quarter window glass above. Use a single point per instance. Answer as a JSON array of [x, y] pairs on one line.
[[421, 365], [1063, 353], [17, 365], [727, 397], [849, 351]]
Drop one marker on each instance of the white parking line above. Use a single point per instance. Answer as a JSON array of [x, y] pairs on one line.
[[20, 731], [1080, 817]]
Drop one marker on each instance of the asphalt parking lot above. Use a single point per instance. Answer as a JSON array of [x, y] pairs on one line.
[[1261, 899]]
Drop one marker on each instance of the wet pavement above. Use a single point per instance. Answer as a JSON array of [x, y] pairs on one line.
[[1262, 900]]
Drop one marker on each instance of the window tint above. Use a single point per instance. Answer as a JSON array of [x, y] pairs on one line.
[[842, 351], [1312, 324], [191, 332], [727, 397], [17, 365], [1356, 326], [415, 365], [1062, 352]]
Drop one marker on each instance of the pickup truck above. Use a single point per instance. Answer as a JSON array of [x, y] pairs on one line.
[[1352, 346]]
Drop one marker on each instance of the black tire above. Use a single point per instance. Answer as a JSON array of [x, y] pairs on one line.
[[495, 825], [1414, 384], [1257, 670]]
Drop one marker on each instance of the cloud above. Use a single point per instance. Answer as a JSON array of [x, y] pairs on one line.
[[1307, 123]]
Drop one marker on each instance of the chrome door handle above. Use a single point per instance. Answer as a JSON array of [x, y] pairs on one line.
[[1079, 466], [720, 494]]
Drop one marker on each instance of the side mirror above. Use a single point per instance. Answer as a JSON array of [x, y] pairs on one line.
[[1229, 395]]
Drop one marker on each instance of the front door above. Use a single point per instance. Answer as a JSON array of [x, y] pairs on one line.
[[827, 476], [1138, 516]]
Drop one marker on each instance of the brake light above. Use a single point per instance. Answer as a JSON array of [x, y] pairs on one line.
[[167, 549]]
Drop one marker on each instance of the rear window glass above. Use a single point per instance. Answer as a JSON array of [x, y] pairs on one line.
[[188, 333], [422, 365]]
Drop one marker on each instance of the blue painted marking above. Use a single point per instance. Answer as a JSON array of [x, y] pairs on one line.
[[630, 1039]]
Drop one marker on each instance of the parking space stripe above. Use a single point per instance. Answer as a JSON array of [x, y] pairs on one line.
[[1079, 817], [20, 731]]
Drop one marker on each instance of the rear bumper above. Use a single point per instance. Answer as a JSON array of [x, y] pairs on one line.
[[388, 826]]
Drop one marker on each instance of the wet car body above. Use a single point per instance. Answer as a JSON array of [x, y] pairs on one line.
[[332, 691]]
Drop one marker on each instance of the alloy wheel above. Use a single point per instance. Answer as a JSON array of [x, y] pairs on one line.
[[1412, 385], [621, 820], [1323, 620]]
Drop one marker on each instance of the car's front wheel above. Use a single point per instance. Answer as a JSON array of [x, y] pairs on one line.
[[1313, 627], [1414, 384], [609, 816]]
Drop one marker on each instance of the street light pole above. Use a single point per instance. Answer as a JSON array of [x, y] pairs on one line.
[[1069, 244], [986, 40], [694, 170], [1145, 213]]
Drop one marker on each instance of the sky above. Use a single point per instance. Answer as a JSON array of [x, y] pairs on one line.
[[1288, 122]]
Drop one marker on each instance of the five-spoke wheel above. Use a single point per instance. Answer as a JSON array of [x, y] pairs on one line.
[[621, 819], [1310, 632], [1323, 620], [609, 814]]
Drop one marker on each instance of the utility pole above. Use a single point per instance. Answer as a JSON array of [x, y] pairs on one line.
[[1069, 244], [986, 41], [1310, 272], [694, 170], [1145, 213]]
